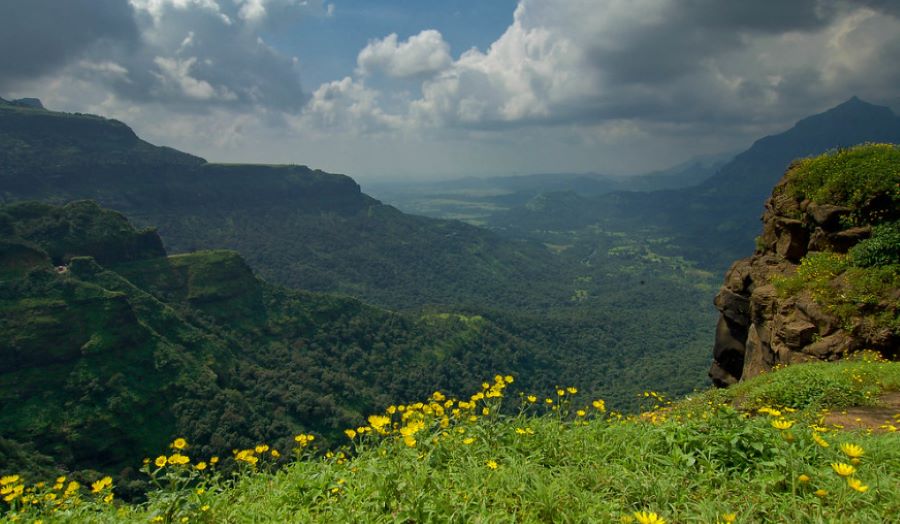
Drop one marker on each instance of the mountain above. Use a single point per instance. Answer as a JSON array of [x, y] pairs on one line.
[[715, 221], [297, 226]]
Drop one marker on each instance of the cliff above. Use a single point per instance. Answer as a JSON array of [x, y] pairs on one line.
[[824, 281]]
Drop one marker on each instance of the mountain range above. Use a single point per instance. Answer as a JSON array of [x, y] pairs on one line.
[[714, 222]]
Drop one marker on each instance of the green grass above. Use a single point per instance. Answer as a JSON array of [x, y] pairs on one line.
[[849, 177], [697, 460]]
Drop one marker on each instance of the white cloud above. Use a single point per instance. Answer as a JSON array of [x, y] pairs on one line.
[[344, 106], [157, 8], [423, 54], [175, 73]]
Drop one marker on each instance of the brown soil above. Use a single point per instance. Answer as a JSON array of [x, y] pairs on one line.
[[869, 417]]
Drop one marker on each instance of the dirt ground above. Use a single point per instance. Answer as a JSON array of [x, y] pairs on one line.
[[876, 418]]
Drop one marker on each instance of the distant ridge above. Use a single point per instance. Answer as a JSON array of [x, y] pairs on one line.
[[715, 221]]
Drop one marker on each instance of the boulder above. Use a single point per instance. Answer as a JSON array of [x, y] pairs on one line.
[[827, 216]]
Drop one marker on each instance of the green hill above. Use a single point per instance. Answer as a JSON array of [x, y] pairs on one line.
[[297, 226]]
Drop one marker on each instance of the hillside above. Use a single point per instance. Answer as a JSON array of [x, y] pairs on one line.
[[297, 226], [111, 347], [824, 280]]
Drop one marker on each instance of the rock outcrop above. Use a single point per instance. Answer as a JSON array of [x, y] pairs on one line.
[[760, 328]]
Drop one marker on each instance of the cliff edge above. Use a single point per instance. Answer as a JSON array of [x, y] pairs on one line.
[[825, 279]]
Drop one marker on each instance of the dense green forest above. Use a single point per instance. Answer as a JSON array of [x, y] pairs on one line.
[[112, 348], [310, 230]]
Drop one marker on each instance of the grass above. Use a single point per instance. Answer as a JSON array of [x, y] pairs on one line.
[[849, 177], [752, 453]]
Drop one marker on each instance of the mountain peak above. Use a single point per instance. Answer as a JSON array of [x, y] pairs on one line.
[[855, 107]]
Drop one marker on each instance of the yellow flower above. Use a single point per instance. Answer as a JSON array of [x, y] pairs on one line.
[[857, 485], [379, 422], [262, 448], [819, 440], [351, 434], [60, 480], [205, 507], [844, 470], [10, 479], [580, 413], [560, 392], [410, 441], [852, 450], [468, 441], [729, 517], [160, 461], [648, 517], [508, 379], [178, 459], [549, 401], [532, 399], [599, 405], [492, 464], [179, 443], [782, 424], [820, 493], [108, 498], [803, 478], [572, 390], [200, 466], [101, 484], [200, 491], [214, 460], [275, 453]]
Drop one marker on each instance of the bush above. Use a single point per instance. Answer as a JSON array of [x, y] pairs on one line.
[[882, 249]]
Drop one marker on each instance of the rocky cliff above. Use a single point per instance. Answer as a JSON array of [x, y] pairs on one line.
[[824, 279]]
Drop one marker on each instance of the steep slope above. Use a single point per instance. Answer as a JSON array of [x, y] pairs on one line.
[[825, 279], [715, 222], [105, 362], [299, 227]]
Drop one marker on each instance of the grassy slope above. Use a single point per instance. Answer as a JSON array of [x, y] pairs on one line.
[[697, 460]]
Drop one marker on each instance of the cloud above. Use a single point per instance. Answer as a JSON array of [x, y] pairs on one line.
[[664, 61], [346, 106], [191, 55], [176, 74], [39, 36], [423, 54]]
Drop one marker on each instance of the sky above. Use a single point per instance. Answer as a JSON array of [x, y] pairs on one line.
[[422, 89]]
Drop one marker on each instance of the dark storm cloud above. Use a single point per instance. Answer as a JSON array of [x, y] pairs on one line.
[[691, 31], [40, 36], [191, 56], [194, 59]]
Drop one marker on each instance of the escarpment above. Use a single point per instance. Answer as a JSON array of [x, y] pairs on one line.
[[823, 282]]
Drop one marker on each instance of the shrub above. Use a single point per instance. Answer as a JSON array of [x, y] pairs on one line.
[[882, 249]]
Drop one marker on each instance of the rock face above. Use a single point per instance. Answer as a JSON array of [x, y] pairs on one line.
[[758, 329]]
